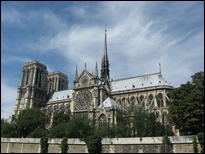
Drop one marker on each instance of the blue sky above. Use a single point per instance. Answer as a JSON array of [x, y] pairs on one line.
[[65, 34]]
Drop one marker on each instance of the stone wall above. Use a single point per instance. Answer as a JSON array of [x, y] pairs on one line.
[[181, 144]]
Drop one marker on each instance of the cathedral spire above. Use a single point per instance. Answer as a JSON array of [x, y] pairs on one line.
[[96, 70], [105, 72], [76, 74], [159, 68]]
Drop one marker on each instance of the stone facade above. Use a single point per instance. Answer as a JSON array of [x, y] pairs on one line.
[[49, 91], [180, 144]]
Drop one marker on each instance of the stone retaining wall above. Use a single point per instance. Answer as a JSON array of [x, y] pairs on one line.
[[181, 144]]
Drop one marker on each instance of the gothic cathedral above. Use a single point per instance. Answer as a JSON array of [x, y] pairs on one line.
[[93, 96]]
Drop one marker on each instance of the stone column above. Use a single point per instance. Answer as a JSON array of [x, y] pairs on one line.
[[52, 87], [34, 76], [57, 85], [164, 99], [31, 76], [22, 78], [55, 81]]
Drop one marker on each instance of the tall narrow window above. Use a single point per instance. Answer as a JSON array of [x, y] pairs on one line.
[[27, 76], [36, 77], [62, 84], [102, 121]]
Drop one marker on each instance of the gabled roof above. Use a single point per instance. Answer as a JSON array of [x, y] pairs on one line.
[[108, 103], [144, 81], [60, 95]]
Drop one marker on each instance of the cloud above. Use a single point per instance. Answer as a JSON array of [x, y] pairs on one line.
[[10, 15], [8, 59], [135, 39], [8, 97]]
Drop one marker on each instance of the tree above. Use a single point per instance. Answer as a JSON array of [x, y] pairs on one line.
[[29, 120], [58, 131], [38, 133], [194, 144], [166, 146], [44, 144], [8, 129], [186, 109], [93, 143], [64, 145], [60, 118], [201, 140], [80, 128]]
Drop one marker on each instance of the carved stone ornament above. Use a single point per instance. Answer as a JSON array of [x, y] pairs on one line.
[[84, 81]]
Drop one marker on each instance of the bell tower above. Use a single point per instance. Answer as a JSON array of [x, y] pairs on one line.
[[33, 87]]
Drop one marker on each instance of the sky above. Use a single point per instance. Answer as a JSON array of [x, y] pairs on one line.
[[63, 35]]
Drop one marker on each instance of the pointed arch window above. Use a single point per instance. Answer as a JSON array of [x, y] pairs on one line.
[[160, 100], [102, 121]]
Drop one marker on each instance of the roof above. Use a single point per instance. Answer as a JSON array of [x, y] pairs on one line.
[[60, 95], [144, 81], [108, 103]]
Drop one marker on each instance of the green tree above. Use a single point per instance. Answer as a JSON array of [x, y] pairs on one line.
[[60, 118], [166, 146], [8, 129], [123, 124], [195, 144], [38, 133], [44, 144], [29, 120], [64, 145], [58, 131], [93, 143], [186, 110], [201, 140], [80, 128]]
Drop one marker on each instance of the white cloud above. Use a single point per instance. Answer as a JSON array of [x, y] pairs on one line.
[[8, 59], [8, 98], [135, 40], [10, 15]]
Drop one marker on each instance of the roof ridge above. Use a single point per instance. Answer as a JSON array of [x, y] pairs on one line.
[[137, 76]]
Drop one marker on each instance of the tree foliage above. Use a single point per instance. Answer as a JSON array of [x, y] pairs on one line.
[[30, 119], [60, 118], [58, 131], [201, 140], [195, 149], [64, 145], [8, 129], [38, 133], [166, 146], [44, 144], [186, 110], [93, 143]]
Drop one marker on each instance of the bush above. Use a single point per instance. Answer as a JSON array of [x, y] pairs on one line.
[[38, 133], [44, 145], [195, 144], [166, 145], [201, 141], [64, 145], [94, 144]]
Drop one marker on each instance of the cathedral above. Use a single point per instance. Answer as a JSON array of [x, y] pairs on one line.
[[93, 96]]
